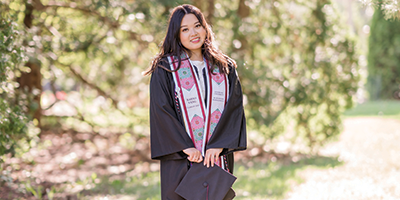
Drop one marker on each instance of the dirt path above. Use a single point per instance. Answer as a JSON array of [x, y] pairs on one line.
[[370, 151]]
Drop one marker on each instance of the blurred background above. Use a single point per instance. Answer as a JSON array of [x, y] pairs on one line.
[[321, 81]]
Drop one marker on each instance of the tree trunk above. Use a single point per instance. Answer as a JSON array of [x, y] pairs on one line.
[[32, 80], [243, 10], [210, 12]]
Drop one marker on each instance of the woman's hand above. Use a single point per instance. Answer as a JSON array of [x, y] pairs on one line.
[[194, 155], [211, 156]]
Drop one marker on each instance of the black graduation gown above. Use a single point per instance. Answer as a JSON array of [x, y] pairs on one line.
[[168, 135]]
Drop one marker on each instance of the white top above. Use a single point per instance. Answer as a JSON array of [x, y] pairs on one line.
[[200, 66]]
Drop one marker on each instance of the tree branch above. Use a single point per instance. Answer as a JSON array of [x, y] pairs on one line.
[[113, 24], [91, 85]]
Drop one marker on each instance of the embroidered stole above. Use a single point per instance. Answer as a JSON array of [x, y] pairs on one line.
[[200, 119]]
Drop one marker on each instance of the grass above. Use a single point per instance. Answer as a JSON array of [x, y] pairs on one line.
[[144, 186], [387, 109], [272, 180]]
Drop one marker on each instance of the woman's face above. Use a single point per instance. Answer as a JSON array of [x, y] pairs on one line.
[[192, 33]]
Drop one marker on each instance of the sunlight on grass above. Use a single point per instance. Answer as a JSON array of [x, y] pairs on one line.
[[144, 186], [274, 180], [387, 109], [262, 181]]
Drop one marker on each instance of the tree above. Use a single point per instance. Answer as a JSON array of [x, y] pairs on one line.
[[297, 64], [383, 57], [300, 69]]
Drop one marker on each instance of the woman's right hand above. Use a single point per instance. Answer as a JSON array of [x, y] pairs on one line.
[[194, 155]]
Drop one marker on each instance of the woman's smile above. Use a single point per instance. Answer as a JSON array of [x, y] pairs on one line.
[[195, 40]]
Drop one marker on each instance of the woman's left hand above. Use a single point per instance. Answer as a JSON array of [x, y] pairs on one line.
[[211, 156]]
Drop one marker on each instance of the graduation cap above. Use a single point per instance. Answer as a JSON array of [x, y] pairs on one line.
[[202, 183]]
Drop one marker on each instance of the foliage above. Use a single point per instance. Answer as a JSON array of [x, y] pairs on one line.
[[390, 8], [91, 55], [300, 69], [297, 64], [383, 57], [37, 192], [12, 118]]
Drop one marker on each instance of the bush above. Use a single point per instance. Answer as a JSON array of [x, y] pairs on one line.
[[12, 118]]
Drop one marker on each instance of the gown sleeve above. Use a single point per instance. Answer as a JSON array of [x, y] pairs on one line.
[[230, 132], [168, 136]]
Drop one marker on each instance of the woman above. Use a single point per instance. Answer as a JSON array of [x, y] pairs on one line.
[[196, 107]]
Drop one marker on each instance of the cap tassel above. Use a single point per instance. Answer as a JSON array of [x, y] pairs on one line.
[[207, 192]]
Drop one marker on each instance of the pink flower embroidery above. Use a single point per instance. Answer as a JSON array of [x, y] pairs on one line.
[[215, 116], [218, 78], [187, 83], [199, 145], [183, 64], [197, 122]]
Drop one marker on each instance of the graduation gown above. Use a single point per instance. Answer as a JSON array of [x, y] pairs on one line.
[[168, 135]]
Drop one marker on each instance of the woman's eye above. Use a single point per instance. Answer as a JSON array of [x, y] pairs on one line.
[[198, 25], [184, 30]]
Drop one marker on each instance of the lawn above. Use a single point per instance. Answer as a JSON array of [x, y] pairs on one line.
[[387, 109]]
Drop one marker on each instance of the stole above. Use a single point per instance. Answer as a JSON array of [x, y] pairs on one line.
[[200, 119]]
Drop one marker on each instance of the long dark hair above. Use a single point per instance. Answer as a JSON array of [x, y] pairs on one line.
[[172, 45]]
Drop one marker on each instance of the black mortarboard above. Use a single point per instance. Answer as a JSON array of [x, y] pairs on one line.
[[202, 183]]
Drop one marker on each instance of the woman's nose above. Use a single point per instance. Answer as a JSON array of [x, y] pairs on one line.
[[193, 32]]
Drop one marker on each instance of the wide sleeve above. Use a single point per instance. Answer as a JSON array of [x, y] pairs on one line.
[[167, 134], [230, 132]]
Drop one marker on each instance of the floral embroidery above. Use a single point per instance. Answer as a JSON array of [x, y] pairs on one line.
[[215, 116], [187, 83], [198, 145], [197, 124], [217, 77], [198, 134], [185, 76], [212, 127], [184, 72]]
